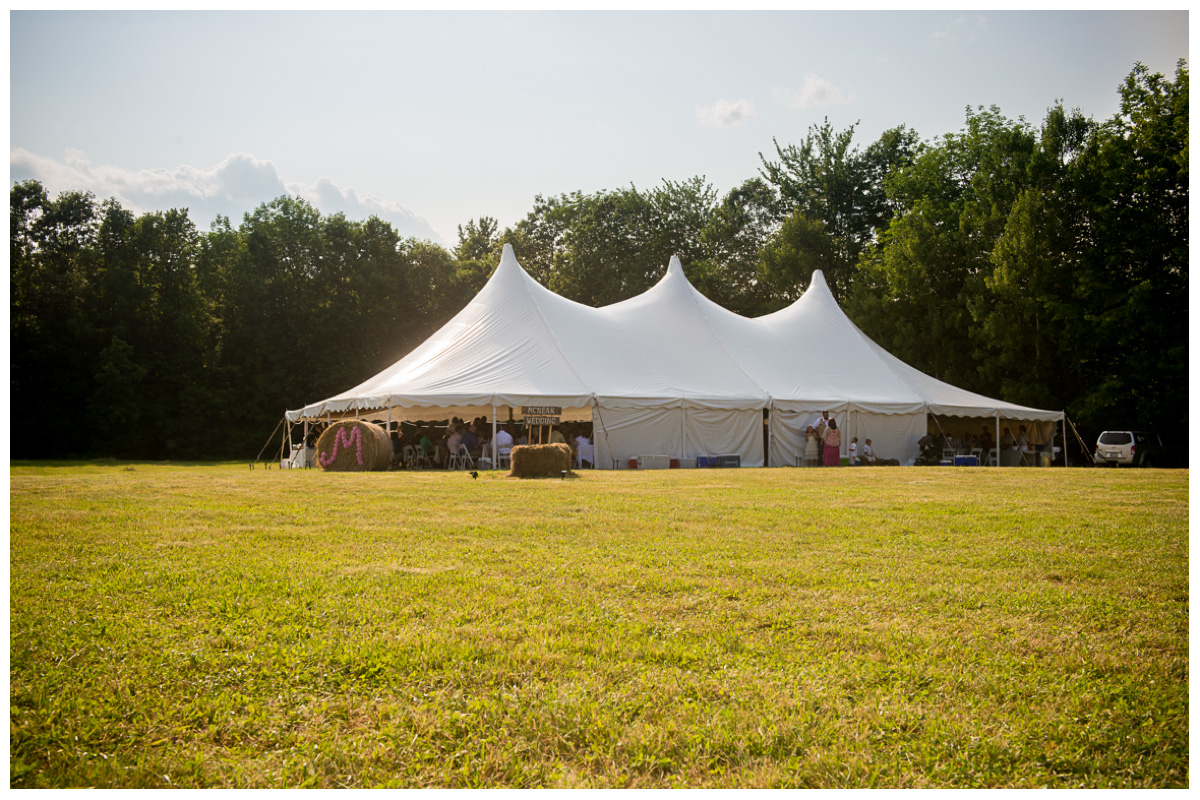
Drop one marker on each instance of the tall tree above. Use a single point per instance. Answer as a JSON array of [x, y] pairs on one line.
[[477, 240], [826, 180], [923, 288], [729, 271]]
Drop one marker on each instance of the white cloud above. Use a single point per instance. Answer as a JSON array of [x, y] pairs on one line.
[[327, 196], [237, 185], [815, 92], [724, 114], [960, 29]]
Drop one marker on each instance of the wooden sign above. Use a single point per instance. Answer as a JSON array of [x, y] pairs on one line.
[[541, 415]]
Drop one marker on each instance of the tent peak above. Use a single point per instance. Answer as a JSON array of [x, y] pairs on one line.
[[675, 266], [508, 255], [817, 280]]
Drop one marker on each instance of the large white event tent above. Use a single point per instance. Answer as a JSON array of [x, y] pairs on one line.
[[670, 373]]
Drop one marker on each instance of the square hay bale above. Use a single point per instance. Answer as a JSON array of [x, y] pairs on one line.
[[540, 460]]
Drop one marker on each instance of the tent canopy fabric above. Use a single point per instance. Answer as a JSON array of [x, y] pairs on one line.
[[518, 343]]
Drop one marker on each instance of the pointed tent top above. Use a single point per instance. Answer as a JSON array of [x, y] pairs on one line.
[[675, 268], [508, 258], [817, 282], [509, 269]]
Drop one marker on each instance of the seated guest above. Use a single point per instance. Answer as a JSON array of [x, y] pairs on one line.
[[426, 443], [556, 437], [504, 441], [471, 441], [454, 441], [868, 454], [1008, 441]]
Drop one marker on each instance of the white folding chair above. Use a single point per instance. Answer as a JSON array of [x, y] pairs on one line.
[[462, 459], [418, 459], [993, 458]]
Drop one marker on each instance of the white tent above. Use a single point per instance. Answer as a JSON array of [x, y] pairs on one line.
[[668, 372]]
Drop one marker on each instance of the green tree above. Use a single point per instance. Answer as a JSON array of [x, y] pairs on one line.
[[789, 258], [52, 335], [922, 290], [478, 240], [729, 271], [825, 179]]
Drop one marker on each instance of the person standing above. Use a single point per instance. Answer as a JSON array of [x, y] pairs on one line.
[[811, 445], [833, 445], [821, 426], [852, 452]]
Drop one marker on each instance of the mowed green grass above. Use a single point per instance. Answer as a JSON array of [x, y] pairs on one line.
[[209, 626]]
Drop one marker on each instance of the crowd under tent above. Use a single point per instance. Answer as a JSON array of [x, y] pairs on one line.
[[671, 373]]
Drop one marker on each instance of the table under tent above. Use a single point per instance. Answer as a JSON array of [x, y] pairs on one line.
[[670, 374]]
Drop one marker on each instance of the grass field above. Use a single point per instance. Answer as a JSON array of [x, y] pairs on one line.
[[209, 626]]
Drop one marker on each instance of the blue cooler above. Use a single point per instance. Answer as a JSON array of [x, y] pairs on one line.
[[966, 461]]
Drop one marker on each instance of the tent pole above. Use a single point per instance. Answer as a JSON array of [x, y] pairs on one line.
[[285, 448], [1066, 463], [997, 438], [495, 450]]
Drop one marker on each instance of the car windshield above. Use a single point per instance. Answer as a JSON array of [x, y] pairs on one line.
[[1116, 437]]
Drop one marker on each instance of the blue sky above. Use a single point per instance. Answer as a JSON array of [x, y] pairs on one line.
[[430, 119]]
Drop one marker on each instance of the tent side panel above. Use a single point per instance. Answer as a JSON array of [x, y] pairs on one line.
[[892, 435], [720, 432], [625, 433], [787, 437]]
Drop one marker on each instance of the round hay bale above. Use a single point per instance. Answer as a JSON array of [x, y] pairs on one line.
[[352, 445], [540, 460]]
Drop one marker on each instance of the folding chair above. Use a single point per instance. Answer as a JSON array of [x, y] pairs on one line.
[[419, 459], [461, 460], [993, 458]]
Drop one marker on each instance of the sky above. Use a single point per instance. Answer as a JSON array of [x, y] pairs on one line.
[[431, 119]]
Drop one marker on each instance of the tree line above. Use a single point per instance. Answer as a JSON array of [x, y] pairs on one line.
[[1047, 266]]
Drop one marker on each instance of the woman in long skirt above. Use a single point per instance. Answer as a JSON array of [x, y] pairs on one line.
[[833, 445]]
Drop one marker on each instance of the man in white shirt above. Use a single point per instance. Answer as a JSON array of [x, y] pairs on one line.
[[504, 442], [821, 426]]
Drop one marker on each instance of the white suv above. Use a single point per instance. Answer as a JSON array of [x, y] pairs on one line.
[[1129, 448]]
